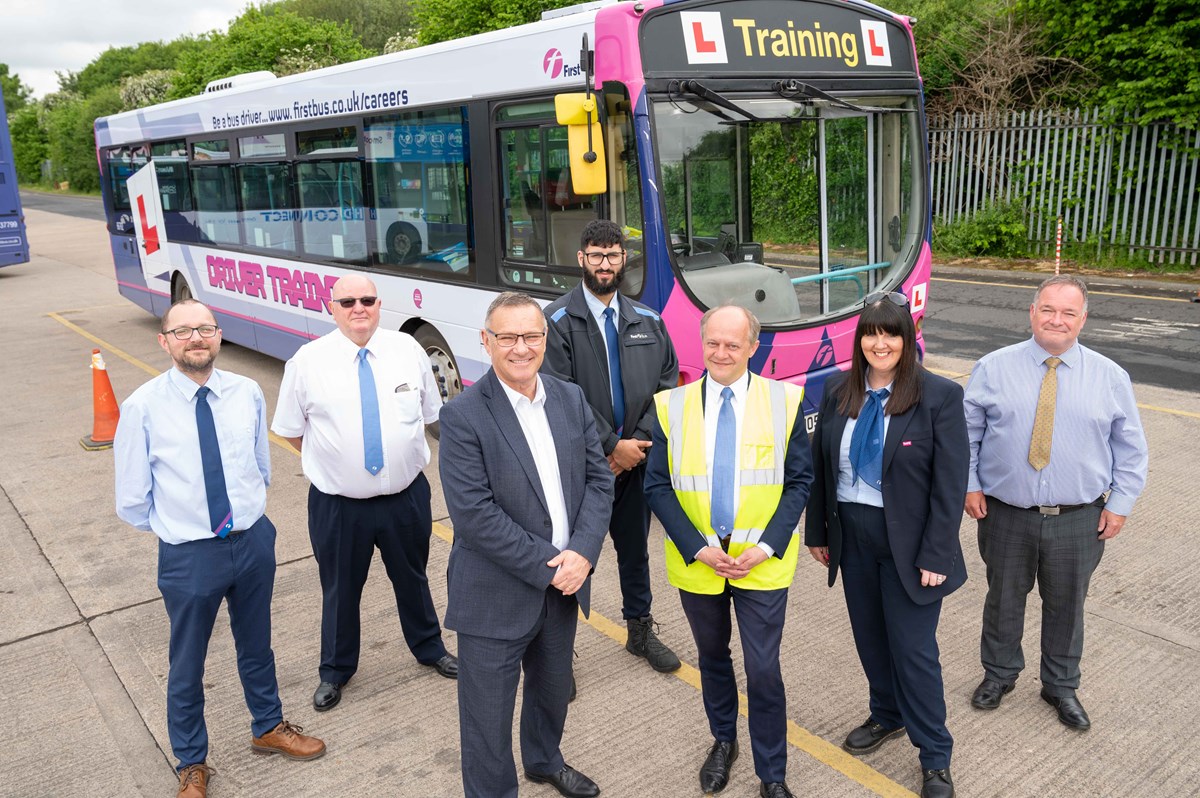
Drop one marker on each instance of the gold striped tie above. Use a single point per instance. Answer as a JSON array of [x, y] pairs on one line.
[[1043, 422]]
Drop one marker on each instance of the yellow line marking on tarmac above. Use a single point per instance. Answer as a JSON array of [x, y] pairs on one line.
[[1090, 291], [819, 749], [144, 366], [1155, 408]]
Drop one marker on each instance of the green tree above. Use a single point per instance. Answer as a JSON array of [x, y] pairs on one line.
[[16, 93], [69, 122], [258, 40], [118, 63], [442, 20], [29, 142], [1142, 53], [373, 21]]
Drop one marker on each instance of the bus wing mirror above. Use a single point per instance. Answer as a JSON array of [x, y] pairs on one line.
[[577, 112]]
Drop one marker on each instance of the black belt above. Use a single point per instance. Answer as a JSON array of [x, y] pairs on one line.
[[1061, 509]]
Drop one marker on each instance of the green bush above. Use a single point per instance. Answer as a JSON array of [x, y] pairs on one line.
[[998, 230]]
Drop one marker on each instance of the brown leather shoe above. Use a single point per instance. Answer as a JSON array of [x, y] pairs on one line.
[[193, 781], [286, 739]]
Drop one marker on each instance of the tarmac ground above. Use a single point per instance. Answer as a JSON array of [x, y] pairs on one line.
[[83, 634]]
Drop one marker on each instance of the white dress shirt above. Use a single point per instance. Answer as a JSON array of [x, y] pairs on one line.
[[159, 472], [319, 400], [536, 428]]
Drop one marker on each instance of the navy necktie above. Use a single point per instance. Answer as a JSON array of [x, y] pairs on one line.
[[724, 463], [220, 514], [866, 443], [372, 437], [614, 369]]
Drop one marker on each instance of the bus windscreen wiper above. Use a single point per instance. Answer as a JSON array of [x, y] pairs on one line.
[[700, 90], [794, 89]]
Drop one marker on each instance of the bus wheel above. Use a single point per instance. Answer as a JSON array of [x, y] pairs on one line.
[[445, 368], [179, 289], [403, 243]]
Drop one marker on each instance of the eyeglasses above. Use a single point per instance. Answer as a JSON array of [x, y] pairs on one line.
[[895, 297], [349, 302], [185, 333], [596, 258], [508, 340]]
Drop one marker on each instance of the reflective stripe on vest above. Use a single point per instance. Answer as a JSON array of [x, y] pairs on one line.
[[770, 413]]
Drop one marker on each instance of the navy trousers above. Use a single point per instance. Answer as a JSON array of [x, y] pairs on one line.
[[896, 638], [629, 528], [194, 578], [344, 534], [488, 672], [760, 616]]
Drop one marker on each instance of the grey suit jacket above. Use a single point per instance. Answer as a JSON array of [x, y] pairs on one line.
[[497, 576]]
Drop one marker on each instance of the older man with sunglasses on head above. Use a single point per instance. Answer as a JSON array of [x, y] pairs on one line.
[[356, 402]]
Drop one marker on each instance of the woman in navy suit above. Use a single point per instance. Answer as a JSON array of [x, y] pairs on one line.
[[890, 455]]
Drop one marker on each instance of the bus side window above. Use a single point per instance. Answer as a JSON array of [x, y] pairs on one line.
[[267, 205], [418, 162], [216, 203], [332, 218]]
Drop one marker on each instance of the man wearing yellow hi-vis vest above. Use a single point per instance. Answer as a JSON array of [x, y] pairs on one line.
[[728, 475]]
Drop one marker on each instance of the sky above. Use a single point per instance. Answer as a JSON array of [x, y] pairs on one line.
[[41, 37]]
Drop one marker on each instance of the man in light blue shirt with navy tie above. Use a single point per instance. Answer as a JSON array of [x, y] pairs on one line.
[[192, 466], [1058, 458]]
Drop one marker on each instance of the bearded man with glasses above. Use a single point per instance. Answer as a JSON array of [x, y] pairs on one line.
[[195, 431], [355, 402], [618, 351]]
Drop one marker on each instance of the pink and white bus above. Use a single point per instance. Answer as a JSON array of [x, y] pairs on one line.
[[769, 153]]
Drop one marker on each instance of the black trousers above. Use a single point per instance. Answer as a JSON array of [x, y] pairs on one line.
[[1060, 553], [629, 529], [344, 534]]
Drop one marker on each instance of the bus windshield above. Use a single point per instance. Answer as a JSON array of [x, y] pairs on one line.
[[794, 209]]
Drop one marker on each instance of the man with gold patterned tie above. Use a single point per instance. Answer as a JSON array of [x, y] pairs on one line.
[[1058, 458]]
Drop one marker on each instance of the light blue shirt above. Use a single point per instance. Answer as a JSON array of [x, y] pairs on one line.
[[850, 488], [159, 474], [1098, 444], [597, 309]]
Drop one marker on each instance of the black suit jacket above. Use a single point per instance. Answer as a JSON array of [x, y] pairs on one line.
[[925, 460], [497, 576]]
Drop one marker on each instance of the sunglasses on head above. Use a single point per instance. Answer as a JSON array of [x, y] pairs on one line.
[[895, 297], [349, 302]]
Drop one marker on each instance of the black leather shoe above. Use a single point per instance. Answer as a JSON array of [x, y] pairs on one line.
[[774, 790], [989, 693], [447, 666], [327, 696], [1070, 711], [568, 781], [869, 736], [714, 773], [938, 784]]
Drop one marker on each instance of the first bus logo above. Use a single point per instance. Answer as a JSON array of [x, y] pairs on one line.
[[554, 66]]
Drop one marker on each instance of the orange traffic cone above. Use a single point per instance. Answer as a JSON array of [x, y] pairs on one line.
[[104, 408]]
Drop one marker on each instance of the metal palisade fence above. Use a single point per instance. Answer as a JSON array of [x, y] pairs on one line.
[[1116, 184]]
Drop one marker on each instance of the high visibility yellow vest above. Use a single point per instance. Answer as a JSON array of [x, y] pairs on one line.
[[771, 409]]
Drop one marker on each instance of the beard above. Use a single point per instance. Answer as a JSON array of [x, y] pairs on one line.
[[601, 289], [190, 363]]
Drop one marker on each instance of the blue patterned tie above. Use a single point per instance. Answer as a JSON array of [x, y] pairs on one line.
[[866, 443], [372, 437], [220, 514], [724, 463], [614, 369]]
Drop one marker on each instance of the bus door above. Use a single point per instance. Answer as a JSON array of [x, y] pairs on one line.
[[149, 285]]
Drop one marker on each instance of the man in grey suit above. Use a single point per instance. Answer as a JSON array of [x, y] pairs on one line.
[[530, 498]]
